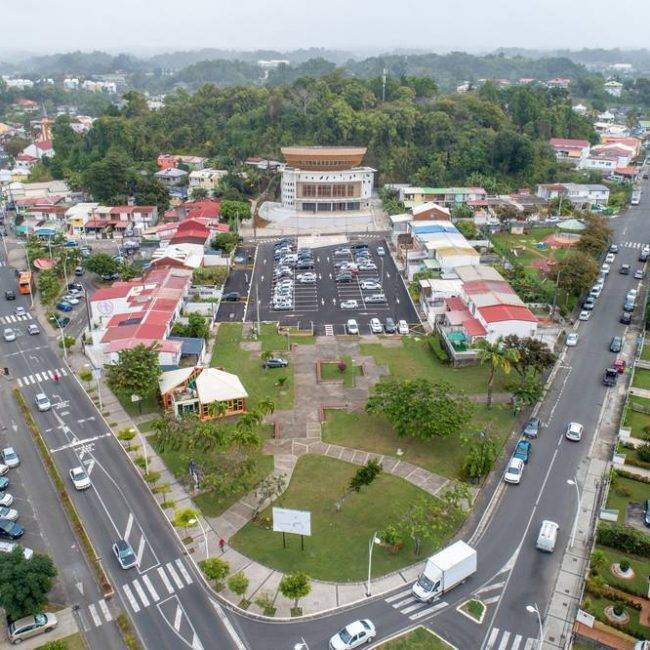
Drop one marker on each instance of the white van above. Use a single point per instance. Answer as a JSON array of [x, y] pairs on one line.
[[7, 547], [547, 536]]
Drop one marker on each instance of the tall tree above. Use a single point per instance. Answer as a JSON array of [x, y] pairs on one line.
[[532, 354], [498, 357], [575, 272]]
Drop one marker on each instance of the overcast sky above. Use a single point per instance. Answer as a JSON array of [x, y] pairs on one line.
[[143, 26]]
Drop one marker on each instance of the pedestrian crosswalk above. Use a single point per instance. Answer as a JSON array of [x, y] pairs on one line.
[[40, 377], [150, 588], [13, 318], [410, 606], [329, 330], [633, 244], [506, 640]]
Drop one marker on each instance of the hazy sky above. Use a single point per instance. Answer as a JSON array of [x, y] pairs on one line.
[[143, 26]]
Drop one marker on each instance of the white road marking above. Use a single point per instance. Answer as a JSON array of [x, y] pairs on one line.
[[165, 579], [504, 640], [412, 608], [174, 575], [493, 637], [38, 377], [228, 625], [183, 570], [406, 601], [105, 611], [177, 618], [150, 587], [129, 524], [140, 549], [428, 610], [131, 598], [516, 642], [93, 612], [140, 590], [399, 595], [196, 643], [496, 585], [490, 601], [90, 466], [20, 383], [74, 443], [530, 644]]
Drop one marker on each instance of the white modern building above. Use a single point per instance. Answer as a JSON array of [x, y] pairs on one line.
[[326, 180]]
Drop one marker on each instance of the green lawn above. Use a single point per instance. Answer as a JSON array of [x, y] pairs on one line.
[[641, 378], [637, 422], [331, 372], [415, 360], [211, 503], [624, 491], [143, 407], [645, 353], [640, 566], [72, 642], [146, 427], [274, 342], [418, 639], [259, 383], [338, 547], [441, 455], [633, 628]]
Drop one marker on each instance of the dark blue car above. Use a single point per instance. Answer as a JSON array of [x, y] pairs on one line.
[[4, 483], [64, 306], [523, 450], [10, 529]]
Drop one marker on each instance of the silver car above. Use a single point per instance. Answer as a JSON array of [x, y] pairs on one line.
[[42, 402], [8, 334]]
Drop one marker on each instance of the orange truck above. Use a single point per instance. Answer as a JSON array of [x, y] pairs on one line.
[[25, 282]]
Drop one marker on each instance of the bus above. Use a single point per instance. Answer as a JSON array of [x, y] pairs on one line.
[[25, 282]]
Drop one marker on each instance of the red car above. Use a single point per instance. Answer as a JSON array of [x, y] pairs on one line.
[[620, 365]]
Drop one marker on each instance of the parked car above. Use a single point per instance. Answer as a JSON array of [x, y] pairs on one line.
[[605, 268], [307, 278], [609, 258], [376, 326], [584, 315], [305, 264], [523, 450], [572, 339], [343, 277], [349, 304], [26, 628], [352, 326], [626, 318], [33, 329], [514, 471], [359, 246], [532, 428], [75, 286], [79, 478], [639, 274], [342, 251], [589, 303], [79, 271], [42, 402], [10, 457], [276, 362], [4, 469], [58, 321], [375, 297], [381, 251], [230, 296], [613, 248], [370, 284], [367, 266], [389, 326], [573, 431], [625, 269], [71, 298], [610, 376], [596, 290], [8, 513], [64, 306], [10, 294], [8, 334], [629, 305], [11, 529], [124, 554], [402, 327], [616, 344], [353, 635], [5, 498], [4, 484]]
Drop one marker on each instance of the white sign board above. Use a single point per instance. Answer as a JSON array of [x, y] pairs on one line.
[[297, 522], [585, 618]]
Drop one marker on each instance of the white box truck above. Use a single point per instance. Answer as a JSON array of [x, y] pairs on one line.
[[445, 570]]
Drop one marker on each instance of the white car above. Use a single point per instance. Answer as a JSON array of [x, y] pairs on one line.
[[381, 250], [42, 402], [610, 258], [402, 327], [605, 268], [349, 304], [596, 290], [370, 284], [8, 334], [353, 635], [79, 478], [375, 326], [307, 278], [571, 340], [8, 513], [20, 311], [514, 471], [584, 315], [10, 457], [574, 431], [352, 326], [73, 300], [6, 499], [3, 469]]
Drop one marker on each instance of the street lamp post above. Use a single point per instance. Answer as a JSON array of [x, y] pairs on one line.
[[574, 528], [534, 609], [193, 522], [373, 540]]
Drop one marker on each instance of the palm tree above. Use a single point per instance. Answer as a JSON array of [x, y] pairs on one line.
[[266, 406], [499, 357], [217, 409], [246, 433]]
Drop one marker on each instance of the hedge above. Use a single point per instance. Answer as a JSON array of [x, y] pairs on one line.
[[627, 540], [634, 477], [438, 351]]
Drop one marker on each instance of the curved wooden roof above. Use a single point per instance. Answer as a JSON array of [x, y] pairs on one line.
[[323, 158]]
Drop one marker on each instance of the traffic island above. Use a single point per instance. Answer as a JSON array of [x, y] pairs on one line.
[[474, 609]]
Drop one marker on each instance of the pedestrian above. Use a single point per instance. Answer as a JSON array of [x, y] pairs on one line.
[[222, 544], [56, 376]]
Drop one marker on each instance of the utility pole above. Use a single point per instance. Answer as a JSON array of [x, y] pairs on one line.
[[383, 84]]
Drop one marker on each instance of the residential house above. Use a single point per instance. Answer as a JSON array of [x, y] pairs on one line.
[[203, 208], [430, 211], [631, 142], [613, 88], [20, 190], [171, 176], [206, 179], [583, 196], [170, 161], [42, 218], [24, 163], [602, 162], [620, 152], [203, 391], [626, 174], [570, 150], [559, 82], [77, 216], [40, 149], [445, 196], [137, 217]]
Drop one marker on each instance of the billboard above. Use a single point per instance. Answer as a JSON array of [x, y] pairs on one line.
[[297, 522]]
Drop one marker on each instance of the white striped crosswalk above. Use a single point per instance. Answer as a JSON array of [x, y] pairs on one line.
[[40, 377], [410, 606], [329, 329], [506, 640], [144, 590], [12, 318], [633, 244]]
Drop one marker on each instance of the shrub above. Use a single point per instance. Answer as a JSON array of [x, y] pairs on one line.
[[140, 462], [85, 374], [126, 434], [622, 491], [238, 583], [215, 569], [265, 602], [618, 609], [151, 477], [391, 536], [624, 539], [644, 452], [438, 350], [598, 562], [624, 566], [342, 366]]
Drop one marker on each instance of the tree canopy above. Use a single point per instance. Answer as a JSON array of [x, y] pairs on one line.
[[136, 372]]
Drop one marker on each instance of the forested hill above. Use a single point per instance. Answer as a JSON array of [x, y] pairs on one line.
[[493, 138]]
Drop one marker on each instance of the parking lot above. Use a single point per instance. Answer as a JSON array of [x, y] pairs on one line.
[[237, 283], [346, 283]]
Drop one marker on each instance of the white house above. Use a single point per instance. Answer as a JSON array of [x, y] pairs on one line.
[[613, 88], [206, 179]]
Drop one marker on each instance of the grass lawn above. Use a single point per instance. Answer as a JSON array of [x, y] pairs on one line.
[[640, 566], [626, 490], [338, 546], [473, 608], [641, 378], [259, 383], [143, 407], [637, 422], [146, 427], [445, 456], [331, 372], [633, 628], [645, 353], [415, 360], [274, 342], [72, 642], [418, 639], [211, 503]]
